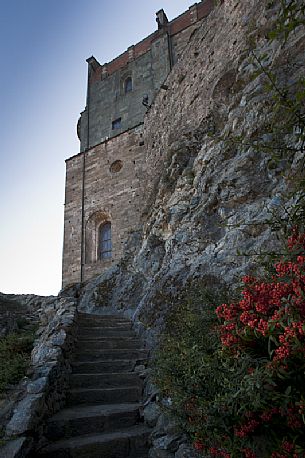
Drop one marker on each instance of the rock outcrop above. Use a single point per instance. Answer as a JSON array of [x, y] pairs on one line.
[[15, 308], [210, 187], [209, 190], [44, 391]]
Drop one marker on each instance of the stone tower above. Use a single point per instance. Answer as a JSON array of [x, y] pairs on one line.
[[104, 181]]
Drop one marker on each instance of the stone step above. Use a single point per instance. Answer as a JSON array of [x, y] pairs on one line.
[[116, 337], [110, 380], [89, 316], [101, 343], [94, 316], [105, 332], [125, 443], [104, 395], [95, 419], [109, 354], [98, 366], [105, 324]]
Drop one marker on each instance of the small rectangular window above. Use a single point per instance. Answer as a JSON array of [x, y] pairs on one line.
[[116, 124]]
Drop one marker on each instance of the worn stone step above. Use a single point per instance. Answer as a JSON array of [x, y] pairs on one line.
[[101, 337], [110, 380], [101, 343], [126, 443], [112, 354], [105, 324], [78, 421], [104, 395], [98, 366], [103, 318], [105, 332], [94, 316]]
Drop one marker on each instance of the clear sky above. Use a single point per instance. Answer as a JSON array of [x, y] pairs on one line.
[[43, 48]]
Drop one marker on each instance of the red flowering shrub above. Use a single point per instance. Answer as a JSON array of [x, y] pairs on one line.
[[237, 377], [269, 323]]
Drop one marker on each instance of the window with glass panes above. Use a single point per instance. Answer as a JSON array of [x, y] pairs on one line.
[[105, 244]]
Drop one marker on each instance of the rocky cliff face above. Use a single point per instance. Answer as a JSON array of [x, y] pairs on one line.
[[208, 189], [210, 183], [16, 308]]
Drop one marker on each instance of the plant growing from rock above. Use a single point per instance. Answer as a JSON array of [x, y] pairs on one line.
[[15, 349], [236, 380]]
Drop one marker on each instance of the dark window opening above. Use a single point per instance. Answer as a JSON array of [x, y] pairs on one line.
[[128, 85], [116, 124], [105, 243]]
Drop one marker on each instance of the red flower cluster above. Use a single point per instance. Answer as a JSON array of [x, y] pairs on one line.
[[198, 445], [267, 415], [287, 449], [275, 308], [248, 453], [269, 324], [294, 420], [296, 240], [218, 452], [246, 428]]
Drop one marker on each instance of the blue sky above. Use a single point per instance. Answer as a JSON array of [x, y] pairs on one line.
[[43, 47]]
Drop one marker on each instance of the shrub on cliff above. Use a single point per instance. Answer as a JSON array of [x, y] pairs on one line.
[[15, 349], [236, 375]]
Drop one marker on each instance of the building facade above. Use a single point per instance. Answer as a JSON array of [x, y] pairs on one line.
[[104, 182]]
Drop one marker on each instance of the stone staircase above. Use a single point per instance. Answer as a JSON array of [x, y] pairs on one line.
[[102, 414]]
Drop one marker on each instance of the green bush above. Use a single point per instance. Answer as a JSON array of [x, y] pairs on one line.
[[15, 350], [235, 373], [190, 367]]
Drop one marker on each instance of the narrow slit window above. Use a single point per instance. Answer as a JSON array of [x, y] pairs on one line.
[[116, 124], [105, 242], [128, 85]]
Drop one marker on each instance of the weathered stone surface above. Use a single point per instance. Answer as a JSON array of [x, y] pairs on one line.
[[151, 414], [43, 353], [44, 393], [205, 196], [186, 451], [38, 386], [17, 448], [15, 308], [114, 194], [26, 415], [201, 196], [103, 411], [168, 442], [159, 453]]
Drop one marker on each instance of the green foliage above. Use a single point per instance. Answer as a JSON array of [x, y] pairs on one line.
[[291, 15], [283, 134], [236, 377], [190, 367], [15, 349]]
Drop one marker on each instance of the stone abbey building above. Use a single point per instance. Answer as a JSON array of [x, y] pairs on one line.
[[104, 182]]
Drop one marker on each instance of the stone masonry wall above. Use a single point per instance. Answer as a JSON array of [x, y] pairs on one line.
[[44, 392], [148, 64], [108, 100], [110, 195]]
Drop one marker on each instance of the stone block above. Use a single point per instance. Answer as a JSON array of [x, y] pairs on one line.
[[26, 415]]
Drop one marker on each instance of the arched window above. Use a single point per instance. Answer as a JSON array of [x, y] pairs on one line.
[[128, 85], [105, 243]]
